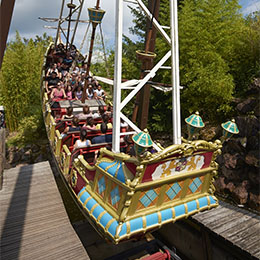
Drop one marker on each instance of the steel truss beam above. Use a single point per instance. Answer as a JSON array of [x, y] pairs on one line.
[[173, 53]]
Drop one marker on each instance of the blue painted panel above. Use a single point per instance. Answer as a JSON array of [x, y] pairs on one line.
[[136, 224], [120, 174], [203, 202], [97, 211], [101, 185], [112, 228], [166, 214], [115, 197], [148, 198], [192, 205], [212, 201], [104, 165], [112, 170], [90, 204], [151, 219], [105, 219], [81, 190], [123, 230], [84, 196], [179, 210]]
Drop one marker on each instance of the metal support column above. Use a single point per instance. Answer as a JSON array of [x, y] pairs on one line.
[[176, 113], [117, 76]]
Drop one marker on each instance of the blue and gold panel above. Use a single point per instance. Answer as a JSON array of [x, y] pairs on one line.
[[195, 185], [115, 195], [114, 168], [139, 225], [101, 185], [173, 191], [148, 198]]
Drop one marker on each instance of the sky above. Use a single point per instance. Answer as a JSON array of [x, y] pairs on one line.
[[26, 12]]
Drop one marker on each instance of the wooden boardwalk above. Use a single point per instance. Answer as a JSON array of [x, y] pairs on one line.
[[225, 232], [238, 227], [33, 221]]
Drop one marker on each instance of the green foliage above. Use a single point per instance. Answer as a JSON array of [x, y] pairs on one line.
[[30, 130], [20, 78], [245, 63]]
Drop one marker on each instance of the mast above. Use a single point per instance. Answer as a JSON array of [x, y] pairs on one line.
[[143, 97], [6, 11], [95, 16]]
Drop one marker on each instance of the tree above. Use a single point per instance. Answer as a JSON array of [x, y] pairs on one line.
[[20, 79]]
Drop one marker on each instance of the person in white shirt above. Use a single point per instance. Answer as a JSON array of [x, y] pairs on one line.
[[100, 93]]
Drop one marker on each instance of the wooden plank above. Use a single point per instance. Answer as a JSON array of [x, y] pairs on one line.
[[204, 215], [241, 229], [33, 221]]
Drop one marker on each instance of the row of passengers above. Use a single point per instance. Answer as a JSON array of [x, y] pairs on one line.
[[89, 125], [86, 113], [58, 90], [83, 141]]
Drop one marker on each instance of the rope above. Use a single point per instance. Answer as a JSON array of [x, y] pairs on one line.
[[104, 51], [84, 38]]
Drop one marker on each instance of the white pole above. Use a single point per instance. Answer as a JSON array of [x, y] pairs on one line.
[[117, 76], [176, 112]]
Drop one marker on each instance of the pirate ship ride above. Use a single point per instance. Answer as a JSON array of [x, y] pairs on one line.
[[126, 196]]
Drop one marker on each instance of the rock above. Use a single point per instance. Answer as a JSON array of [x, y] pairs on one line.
[[231, 187], [209, 133], [220, 184], [252, 158], [253, 143], [254, 177], [240, 192], [230, 161], [35, 148], [248, 125], [254, 201], [231, 174], [247, 105]]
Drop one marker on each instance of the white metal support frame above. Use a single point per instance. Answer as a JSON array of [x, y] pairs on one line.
[[176, 108], [118, 86], [117, 77]]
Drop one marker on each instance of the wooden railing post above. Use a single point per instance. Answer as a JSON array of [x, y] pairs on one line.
[[52, 130], [58, 143], [66, 162]]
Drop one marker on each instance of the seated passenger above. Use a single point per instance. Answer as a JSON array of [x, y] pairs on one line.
[[90, 124], [90, 92], [68, 59], [73, 128], [83, 141], [58, 93], [69, 93], [105, 119], [51, 82], [100, 112], [69, 114], [85, 114], [53, 68], [100, 93], [78, 93], [104, 137]]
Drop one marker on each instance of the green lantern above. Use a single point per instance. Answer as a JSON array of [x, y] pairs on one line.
[[229, 128], [95, 15], [142, 141], [194, 123]]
